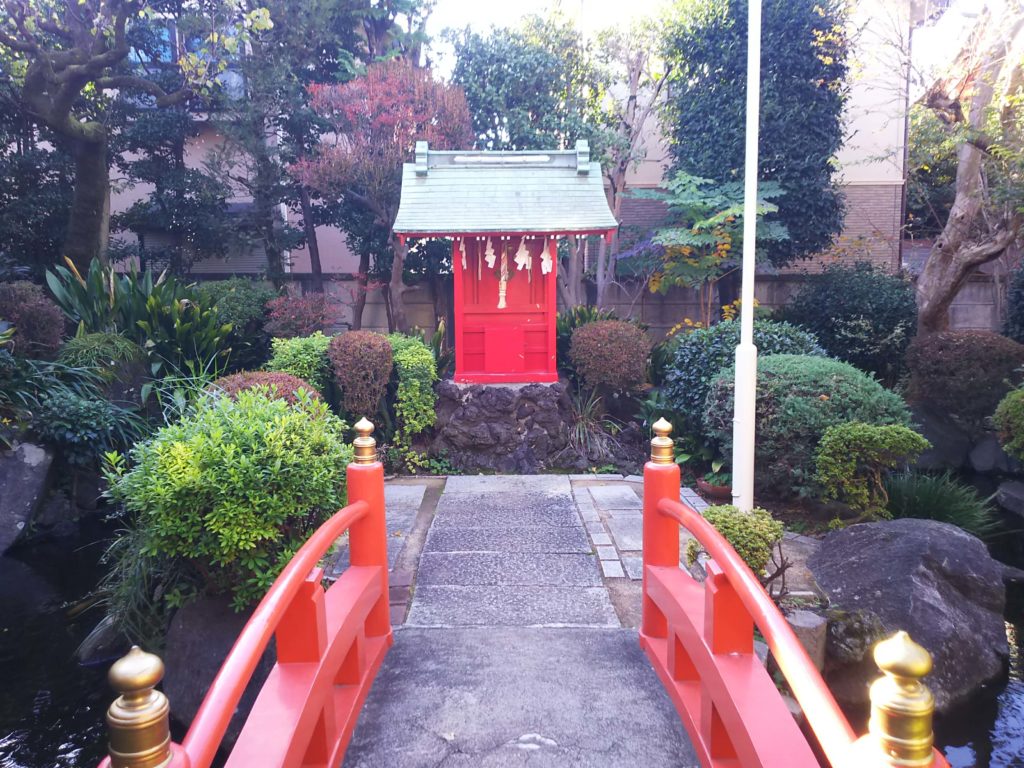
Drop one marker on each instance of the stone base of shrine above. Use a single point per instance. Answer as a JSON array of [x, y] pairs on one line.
[[511, 428], [523, 429]]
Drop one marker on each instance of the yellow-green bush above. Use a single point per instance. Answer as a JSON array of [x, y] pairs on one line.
[[752, 534], [415, 398], [1009, 420], [853, 459], [231, 491], [302, 356]]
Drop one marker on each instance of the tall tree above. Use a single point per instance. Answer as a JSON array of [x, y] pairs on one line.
[[979, 97], [803, 89], [637, 78], [536, 86], [67, 57], [376, 120]]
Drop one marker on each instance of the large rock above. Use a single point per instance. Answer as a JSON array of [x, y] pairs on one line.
[[199, 639], [24, 474], [1010, 496], [950, 444], [931, 579]]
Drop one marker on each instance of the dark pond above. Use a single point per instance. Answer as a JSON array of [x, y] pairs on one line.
[[51, 709]]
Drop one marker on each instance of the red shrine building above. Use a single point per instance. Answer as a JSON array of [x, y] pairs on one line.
[[504, 212]]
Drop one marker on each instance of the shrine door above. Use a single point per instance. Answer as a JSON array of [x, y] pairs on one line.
[[504, 310]]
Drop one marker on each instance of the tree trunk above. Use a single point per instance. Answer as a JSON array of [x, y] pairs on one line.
[[312, 244], [570, 275], [362, 286], [90, 207], [396, 286]]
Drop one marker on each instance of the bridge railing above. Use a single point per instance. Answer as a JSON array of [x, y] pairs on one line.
[[330, 644], [699, 636]]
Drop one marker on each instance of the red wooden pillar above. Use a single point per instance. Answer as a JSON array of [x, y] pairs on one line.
[[459, 287], [552, 308], [368, 537], [660, 533]]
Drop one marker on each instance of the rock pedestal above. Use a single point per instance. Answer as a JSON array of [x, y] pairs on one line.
[[931, 579], [514, 429]]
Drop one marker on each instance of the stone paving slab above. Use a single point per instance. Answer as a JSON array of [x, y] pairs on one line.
[[614, 497], [507, 569], [403, 496], [499, 484], [634, 565], [612, 569], [497, 697], [504, 538], [474, 510], [627, 532], [399, 523], [449, 605]]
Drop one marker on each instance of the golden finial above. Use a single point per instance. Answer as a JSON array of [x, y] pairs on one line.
[[365, 445], [901, 705], [662, 445], [138, 720]]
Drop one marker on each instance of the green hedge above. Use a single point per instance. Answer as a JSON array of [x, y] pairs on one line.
[[303, 356], [415, 399], [798, 399]]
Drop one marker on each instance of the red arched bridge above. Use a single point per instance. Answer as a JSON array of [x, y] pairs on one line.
[[697, 635]]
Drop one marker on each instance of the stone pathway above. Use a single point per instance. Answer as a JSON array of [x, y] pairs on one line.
[[515, 651]]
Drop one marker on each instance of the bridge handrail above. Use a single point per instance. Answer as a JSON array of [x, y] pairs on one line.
[[211, 721], [823, 714], [330, 644], [699, 639]]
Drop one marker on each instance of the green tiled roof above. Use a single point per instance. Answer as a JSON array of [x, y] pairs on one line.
[[496, 192]]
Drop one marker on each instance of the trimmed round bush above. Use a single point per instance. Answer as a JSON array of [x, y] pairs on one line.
[[702, 354], [1009, 420], [38, 321], [612, 354], [964, 373], [302, 356], [361, 361], [275, 384], [798, 398], [859, 314], [752, 534], [230, 492]]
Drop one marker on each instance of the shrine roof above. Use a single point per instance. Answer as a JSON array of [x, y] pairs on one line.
[[450, 193]]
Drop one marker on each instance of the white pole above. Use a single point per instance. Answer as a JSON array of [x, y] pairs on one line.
[[746, 352]]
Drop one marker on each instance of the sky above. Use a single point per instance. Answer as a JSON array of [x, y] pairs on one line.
[[591, 15]]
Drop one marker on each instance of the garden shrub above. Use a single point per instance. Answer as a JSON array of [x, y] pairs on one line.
[[106, 352], [853, 459], [964, 373], [942, 498], [859, 314], [700, 355], [242, 303], [1013, 325], [283, 386], [415, 399], [233, 489], [361, 361], [38, 322], [163, 315], [752, 534], [291, 316], [302, 356], [1009, 421], [566, 324], [798, 398], [611, 354], [82, 427]]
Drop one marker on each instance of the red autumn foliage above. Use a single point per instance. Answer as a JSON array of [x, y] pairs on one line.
[[377, 120], [284, 385], [291, 316]]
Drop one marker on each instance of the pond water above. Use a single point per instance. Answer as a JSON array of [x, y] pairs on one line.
[[52, 709]]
